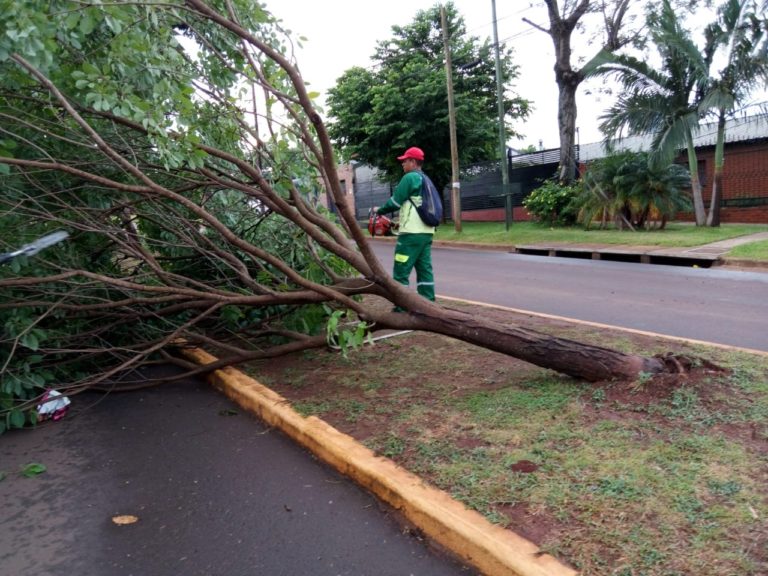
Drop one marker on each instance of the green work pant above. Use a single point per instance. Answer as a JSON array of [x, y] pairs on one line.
[[415, 251]]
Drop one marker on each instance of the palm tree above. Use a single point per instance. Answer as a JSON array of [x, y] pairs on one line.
[[740, 34], [653, 192], [634, 192], [663, 101]]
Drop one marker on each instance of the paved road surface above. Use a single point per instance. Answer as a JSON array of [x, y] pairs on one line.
[[715, 305], [216, 494]]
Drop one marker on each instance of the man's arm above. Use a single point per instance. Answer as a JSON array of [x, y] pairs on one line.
[[401, 194]]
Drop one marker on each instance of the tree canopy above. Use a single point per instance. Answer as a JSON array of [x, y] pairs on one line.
[[402, 100]]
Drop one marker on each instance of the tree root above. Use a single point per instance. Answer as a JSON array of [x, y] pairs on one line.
[[684, 364]]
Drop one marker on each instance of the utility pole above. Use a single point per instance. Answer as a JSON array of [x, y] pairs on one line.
[[502, 131], [455, 184]]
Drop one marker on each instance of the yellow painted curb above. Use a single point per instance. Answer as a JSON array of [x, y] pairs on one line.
[[492, 549]]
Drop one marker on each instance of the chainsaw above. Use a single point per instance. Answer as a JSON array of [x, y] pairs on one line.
[[380, 225]]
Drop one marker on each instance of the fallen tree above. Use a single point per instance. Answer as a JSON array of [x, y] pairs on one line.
[[180, 148]]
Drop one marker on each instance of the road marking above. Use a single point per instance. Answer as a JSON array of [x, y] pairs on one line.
[[609, 326]]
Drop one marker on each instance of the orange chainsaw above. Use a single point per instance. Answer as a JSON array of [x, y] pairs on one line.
[[380, 225]]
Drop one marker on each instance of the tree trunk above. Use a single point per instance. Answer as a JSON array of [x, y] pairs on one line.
[[576, 359], [713, 218], [693, 167], [563, 20], [567, 83], [561, 27]]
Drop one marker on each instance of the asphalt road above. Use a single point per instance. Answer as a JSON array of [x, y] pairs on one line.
[[214, 491], [714, 305]]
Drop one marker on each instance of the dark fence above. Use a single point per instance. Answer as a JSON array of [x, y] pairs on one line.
[[481, 189], [481, 186], [369, 192]]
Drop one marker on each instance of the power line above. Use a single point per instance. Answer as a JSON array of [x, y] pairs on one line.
[[499, 19]]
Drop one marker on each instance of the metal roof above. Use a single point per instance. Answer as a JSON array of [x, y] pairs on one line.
[[736, 130]]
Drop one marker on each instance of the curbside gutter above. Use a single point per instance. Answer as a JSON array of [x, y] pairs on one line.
[[493, 550]]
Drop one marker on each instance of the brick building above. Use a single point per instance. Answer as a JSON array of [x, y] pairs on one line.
[[745, 172]]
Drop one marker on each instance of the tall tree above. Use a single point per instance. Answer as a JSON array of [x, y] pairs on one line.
[[402, 100], [660, 101], [564, 20], [188, 225], [740, 36]]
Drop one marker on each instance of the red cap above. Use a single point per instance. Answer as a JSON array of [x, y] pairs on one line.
[[415, 153]]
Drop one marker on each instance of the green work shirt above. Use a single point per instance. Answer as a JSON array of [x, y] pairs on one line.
[[410, 221]]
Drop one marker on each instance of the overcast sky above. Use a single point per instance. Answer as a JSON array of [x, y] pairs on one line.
[[343, 33]]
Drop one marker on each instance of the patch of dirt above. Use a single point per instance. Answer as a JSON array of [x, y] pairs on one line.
[[527, 523]]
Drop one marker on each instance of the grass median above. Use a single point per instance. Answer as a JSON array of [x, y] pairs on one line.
[[658, 477], [520, 233]]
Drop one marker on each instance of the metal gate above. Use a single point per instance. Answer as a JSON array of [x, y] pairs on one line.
[[369, 190]]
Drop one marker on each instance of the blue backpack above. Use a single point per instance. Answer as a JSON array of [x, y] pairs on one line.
[[431, 209]]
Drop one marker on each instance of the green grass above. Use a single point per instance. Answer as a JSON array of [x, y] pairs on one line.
[[752, 251], [676, 234], [607, 475]]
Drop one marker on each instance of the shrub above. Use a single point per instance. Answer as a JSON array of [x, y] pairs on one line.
[[626, 188], [551, 203]]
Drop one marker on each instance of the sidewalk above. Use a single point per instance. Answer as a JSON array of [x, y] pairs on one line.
[[210, 489]]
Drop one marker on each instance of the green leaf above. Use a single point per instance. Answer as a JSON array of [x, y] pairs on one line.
[[71, 20], [114, 24], [33, 469], [16, 418], [87, 22], [29, 340]]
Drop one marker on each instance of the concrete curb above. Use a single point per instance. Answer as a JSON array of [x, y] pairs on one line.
[[755, 265], [492, 549]]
